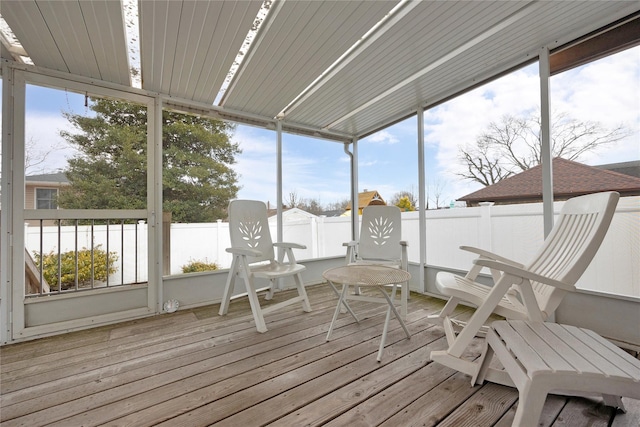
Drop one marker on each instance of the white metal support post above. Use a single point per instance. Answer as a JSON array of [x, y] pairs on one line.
[[14, 108], [5, 203], [154, 204], [545, 149], [355, 207], [279, 232], [353, 192], [422, 213]]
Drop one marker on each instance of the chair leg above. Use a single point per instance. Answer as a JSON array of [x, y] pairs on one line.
[[256, 310], [270, 292], [228, 288], [478, 319], [254, 302], [530, 403], [446, 311], [404, 298], [303, 293]]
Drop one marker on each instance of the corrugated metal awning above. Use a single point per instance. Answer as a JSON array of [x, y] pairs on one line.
[[337, 69]]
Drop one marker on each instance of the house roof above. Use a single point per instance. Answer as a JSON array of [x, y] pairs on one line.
[[628, 168], [368, 198], [569, 179], [331, 69], [53, 178]]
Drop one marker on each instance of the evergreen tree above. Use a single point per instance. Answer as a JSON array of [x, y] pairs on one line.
[[111, 170]]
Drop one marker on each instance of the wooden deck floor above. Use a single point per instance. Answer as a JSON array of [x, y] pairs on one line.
[[194, 368]]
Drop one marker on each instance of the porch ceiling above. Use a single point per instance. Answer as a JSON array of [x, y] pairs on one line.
[[420, 54]]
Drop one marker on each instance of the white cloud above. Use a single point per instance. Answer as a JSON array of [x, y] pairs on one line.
[[382, 137], [605, 91], [310, 177], [44, 130]]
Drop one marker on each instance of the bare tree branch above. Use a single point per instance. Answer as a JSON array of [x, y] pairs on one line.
[[514, 145]]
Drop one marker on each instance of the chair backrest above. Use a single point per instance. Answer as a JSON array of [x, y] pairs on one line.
[[249, 228], [380, 233], [573, 242]]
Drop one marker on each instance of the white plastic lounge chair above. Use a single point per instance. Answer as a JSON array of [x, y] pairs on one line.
[[532, 291], [380, 244], [543, 357], [254, 257]]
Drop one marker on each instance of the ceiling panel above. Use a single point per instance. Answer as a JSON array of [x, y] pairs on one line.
[[300, 40], [346, 67], [82, 38], [187, 48], [353, 101], [25, 20]]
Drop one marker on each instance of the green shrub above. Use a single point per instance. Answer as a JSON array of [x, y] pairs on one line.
[[68, 267], [198, 266]]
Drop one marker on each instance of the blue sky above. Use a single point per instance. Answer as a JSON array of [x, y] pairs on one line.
[[606, 91]]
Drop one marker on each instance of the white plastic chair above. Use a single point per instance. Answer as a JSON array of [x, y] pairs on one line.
[[380, 244], [532, 291], [254, 257]]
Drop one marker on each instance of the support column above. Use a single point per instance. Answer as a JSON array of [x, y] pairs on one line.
[[422, 202], [12, 263], [154, 204], [355, 207], [279, 232], [6, 212], [546, 149]]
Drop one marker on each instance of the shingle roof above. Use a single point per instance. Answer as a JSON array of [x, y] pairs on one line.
[[368, 198], [570, 179], [628, 168], [58, 177]]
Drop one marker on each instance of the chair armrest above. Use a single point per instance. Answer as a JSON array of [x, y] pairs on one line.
[[491, 255], [404, 243], [244, 251], [289, 245], [525, 274], [350, 244]]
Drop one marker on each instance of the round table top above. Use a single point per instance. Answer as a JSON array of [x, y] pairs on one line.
[[366, 275]]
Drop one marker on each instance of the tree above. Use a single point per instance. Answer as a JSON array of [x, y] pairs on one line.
[[409, 194], [436, 191], [294, 200], [513, 145], [110, 171], [340, 205], [405, 204]]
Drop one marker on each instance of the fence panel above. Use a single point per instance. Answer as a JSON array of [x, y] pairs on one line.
[[513, 230]]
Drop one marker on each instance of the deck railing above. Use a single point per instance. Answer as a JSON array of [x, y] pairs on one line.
[[84, 250]]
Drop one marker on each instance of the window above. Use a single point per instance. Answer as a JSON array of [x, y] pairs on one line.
[[46, 198]]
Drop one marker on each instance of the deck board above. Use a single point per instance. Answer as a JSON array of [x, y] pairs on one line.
[[195, 368]]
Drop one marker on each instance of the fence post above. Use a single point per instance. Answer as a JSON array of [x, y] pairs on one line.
[[485, 231], [219, 249], [166, 243]]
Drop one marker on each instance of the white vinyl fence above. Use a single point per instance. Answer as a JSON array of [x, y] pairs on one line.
[[515, 231]]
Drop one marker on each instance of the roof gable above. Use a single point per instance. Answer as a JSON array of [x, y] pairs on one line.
[[368, 198]]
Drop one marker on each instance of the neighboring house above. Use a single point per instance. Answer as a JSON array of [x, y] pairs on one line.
[[570, 179], [366, 198], [41, 191], [627, 168]]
